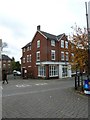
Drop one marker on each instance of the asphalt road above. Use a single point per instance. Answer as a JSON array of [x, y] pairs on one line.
[[43, 99]]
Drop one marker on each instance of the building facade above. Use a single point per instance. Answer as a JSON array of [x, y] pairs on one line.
[[6, 63], [46, 56]]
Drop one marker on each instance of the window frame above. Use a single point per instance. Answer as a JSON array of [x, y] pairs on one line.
[[38, 43], [38, 56], [27, 58], [62, 55], [53, 70], [28, 48], [30, 58], [53, 54], [66, 44], [67, 56], [23, 60], [62, 44], [53, 42], [4, 65], [42, 71]]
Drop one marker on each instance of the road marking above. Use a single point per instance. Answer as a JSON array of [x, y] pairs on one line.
[[23, 85], [41, 84], [27, 85]]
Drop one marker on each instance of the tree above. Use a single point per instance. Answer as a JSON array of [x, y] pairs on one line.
[[79, 40], [13, 64], [16, 65], [4, 44]]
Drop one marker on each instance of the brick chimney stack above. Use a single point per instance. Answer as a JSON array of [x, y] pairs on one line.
[[38, 27]]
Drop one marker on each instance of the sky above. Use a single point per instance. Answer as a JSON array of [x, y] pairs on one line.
[[19, 20]]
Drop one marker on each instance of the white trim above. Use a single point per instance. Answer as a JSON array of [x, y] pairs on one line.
[[61, 37], [36, 33], [42, 34], [51, 63], [54, 76]]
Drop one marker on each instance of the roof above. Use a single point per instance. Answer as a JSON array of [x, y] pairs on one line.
[[27, 45], [51, 36], [48, 36], [5, 57]]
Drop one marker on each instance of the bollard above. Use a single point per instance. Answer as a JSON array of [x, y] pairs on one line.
[[78, 81], [75, 82]]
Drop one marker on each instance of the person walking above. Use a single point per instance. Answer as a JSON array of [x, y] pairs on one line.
[[4, 76]]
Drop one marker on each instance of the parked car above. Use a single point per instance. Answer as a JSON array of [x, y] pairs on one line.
[[18, 73]]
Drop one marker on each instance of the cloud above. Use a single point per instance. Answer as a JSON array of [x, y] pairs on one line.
[[19, 19], [15, 26]]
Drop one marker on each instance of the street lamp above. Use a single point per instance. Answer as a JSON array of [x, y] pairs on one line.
[[88, 33]]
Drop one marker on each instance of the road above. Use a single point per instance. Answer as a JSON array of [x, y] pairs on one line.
[[43, 99]]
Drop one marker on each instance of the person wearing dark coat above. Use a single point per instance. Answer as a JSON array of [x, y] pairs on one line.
[[4, 76]]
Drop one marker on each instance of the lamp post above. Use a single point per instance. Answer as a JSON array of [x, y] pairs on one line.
[[88, 33], [0, 60]]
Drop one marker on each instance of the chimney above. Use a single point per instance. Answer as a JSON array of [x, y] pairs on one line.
[[38, 27]]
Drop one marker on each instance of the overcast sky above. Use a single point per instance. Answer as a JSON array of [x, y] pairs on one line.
[[19, 20]]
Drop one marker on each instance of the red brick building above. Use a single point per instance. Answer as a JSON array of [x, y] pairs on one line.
[[46, 56], [6, 63]]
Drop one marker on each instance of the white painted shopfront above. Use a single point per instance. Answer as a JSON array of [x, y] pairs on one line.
[[56, 69]]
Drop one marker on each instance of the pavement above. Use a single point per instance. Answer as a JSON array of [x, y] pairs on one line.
[[34, 98]]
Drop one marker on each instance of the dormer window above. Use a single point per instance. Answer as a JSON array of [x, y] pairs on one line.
[[52, 42]]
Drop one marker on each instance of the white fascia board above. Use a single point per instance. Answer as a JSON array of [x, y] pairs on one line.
[[51, 63], [42, 34], [61, 36]]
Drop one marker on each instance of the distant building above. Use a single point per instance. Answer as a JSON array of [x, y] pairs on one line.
[[6, 63], [46, 56]]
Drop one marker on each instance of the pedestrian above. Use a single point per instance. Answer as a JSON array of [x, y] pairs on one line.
[[4, 76]]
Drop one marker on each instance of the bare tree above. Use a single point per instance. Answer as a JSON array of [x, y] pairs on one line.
[[4, 45]]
